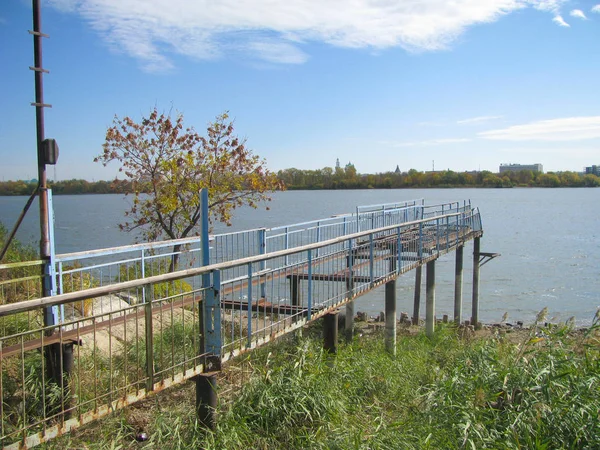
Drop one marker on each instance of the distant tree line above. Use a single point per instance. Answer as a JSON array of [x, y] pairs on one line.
[[348, 178], [345, 178], [68, 187]]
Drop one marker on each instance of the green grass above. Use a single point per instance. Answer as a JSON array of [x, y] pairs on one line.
[[539, 391]]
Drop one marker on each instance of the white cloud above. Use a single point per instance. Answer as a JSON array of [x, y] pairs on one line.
[[277, 52], [566, 129], [552, 6], [560, 21], [275, 30], [478, 120], [596, 9], [430, 142], [578, 13]]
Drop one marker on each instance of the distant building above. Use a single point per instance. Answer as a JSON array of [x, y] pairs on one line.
[[337, 163], [594, 170], [397, 169], [519, 167]]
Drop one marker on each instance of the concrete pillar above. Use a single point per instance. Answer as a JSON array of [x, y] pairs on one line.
[[417, 301], [390, 317], [458, 285], [475, 303], [206, 399], [349, 323], [330, 332], [430, 299]]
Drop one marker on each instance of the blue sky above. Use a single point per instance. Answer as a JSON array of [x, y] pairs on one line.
[[468, 84]]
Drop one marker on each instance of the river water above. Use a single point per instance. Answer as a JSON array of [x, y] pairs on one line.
[[549, 240]]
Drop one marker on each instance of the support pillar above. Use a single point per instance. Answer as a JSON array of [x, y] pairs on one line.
[[458, 285], [294, 285], [430, 299], [417, 301], [349, 322], [390, 317], [475, 303], [206, 399], [330, 332]]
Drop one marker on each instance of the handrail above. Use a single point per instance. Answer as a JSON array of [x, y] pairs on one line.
[[124, 249], [28, 305]]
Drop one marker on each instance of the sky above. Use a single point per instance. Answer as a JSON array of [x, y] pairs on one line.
[[423, 84]]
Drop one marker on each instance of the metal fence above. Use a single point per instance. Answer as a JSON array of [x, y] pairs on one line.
[[131, 326]]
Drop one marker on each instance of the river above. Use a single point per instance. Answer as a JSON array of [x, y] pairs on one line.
[[549, 240]]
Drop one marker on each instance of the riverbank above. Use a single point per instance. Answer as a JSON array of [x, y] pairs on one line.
[[525, 387]]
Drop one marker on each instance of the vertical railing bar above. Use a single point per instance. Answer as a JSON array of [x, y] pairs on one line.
[[371, 258], [318, 237], [287, 245], [437, 236], [309, 313], [249, 325], [420, 242], [262, 249], [399, 246]]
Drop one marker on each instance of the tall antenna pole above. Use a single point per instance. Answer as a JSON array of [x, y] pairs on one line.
[[39, 122], [58, 356]]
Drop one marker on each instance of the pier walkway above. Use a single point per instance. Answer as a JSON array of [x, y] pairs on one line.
[[121, 325]]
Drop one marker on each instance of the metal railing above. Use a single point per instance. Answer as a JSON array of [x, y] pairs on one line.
[[115, 351]]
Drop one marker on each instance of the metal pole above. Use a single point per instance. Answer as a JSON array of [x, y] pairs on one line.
[[430, 299], [262, 249], [52, 353], [39, 122], [206, 399], [475, 304], [349, 323], [458, 282], [390, 317]]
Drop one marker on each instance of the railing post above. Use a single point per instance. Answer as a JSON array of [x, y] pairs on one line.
[[447, 233], [371, 258], [349, 323], [420, 243], [458, 281], [399, 251], [143, 272], [212, 315], [206, 383], [437, 236], [210, 310], [58, 357], [249, 322], [149, 338], [309, 300]]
